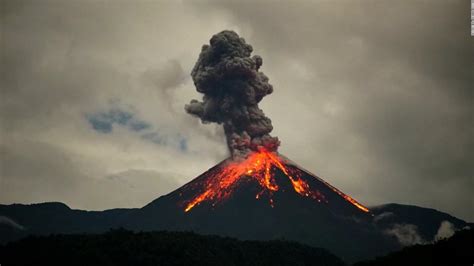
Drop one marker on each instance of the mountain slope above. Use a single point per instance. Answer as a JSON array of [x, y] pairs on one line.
[[426, 221], [18, 220]]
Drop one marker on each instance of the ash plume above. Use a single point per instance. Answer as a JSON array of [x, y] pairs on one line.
[[233, 86]]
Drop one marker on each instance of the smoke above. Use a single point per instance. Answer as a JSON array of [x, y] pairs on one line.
[[9, 222], [383, 216], [232, 87], [406, 234], [445, 230]]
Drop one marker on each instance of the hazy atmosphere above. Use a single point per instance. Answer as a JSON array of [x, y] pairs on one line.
[[375, 97]]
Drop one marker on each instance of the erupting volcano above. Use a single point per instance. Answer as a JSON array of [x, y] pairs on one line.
[[233, 86], [256, 193]]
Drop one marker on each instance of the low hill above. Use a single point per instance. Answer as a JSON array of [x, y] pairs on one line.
[[19, 220], [426, 221]]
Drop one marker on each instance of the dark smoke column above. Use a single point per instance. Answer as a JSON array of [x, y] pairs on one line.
[[232, 87]]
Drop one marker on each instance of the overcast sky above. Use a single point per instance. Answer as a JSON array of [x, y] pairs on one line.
[[376, 97]]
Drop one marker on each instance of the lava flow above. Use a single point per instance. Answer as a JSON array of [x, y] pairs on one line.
[[258, 165]]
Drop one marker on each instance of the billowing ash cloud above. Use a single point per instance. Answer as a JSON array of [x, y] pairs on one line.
[[232, 87]]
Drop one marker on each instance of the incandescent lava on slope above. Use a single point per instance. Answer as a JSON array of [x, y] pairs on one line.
[[219, 184]]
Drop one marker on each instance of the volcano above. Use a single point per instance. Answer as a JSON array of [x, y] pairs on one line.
[[267, 196], [257, 193]]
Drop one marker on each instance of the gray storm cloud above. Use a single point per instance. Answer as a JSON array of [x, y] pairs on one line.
[[233, 86]]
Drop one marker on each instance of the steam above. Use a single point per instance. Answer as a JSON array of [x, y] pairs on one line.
[[406, 234], [232, 87], [9, 222], [383, 216], [445, 230]]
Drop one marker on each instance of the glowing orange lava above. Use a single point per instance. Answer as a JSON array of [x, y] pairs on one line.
[[258, 166]]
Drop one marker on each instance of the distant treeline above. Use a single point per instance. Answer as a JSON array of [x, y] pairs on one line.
[[122, 247]]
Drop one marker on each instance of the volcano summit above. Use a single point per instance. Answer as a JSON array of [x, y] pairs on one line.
[[260, 167]]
